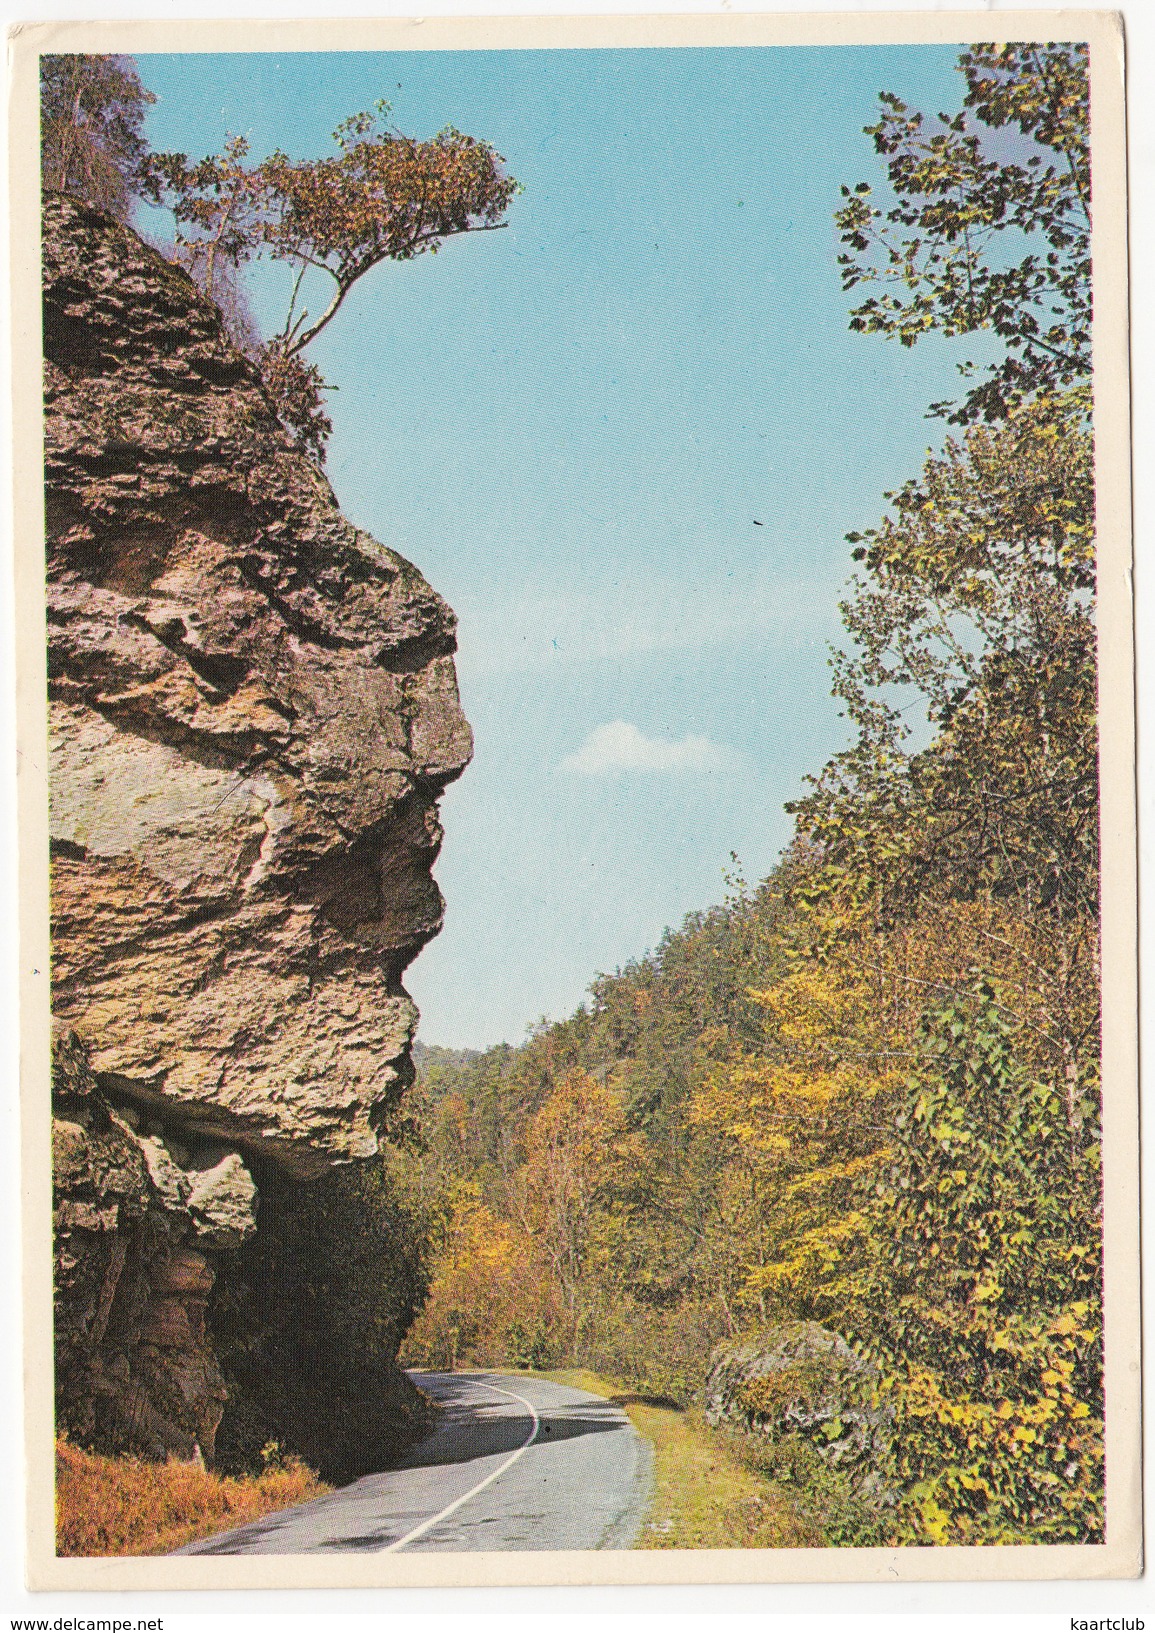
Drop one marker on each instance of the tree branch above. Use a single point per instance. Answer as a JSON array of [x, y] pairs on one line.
[[344, 285]]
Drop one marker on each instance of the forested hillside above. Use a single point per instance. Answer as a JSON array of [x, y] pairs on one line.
[[865, 1092]]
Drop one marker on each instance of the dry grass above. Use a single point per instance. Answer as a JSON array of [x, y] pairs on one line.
[[704, 1496], [117, 1506]]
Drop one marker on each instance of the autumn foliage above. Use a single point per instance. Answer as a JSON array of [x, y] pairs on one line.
[[866, 1092], [382, 196]]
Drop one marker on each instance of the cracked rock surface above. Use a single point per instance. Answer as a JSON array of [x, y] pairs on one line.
[[253, 712]]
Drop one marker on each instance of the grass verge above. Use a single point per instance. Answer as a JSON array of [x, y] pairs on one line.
[[123, 1506], [704, 1495]]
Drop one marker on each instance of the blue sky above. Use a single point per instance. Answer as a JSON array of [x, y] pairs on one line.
[[575, 427]]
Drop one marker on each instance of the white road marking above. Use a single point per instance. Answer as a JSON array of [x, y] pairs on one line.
[[436, 1519]]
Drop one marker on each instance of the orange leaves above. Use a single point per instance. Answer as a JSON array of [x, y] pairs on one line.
[[487, 1283], [506, 1288], [115, 1506], [383, 197], [578, 1151]]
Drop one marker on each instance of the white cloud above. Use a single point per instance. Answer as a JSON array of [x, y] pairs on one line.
[[620, 746]]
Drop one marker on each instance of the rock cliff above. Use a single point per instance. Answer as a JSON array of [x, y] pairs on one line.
[[253, 713]]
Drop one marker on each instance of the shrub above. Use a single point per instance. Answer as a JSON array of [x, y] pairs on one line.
[[295, 388]]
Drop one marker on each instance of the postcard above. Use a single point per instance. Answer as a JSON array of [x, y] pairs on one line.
[[577, 817]]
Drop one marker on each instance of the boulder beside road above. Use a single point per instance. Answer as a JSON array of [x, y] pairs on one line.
[[803, 1380]]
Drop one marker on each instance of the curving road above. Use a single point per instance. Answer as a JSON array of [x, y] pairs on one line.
[[514, 1463]]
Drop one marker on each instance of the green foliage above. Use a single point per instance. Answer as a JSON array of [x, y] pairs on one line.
[[986, 1297], [217, 205], [975, 604], [967, 202], [863, 1093], [828, 1497], [91, 129]]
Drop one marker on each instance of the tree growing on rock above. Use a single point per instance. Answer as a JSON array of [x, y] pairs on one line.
[[217, 203], [383, 196]]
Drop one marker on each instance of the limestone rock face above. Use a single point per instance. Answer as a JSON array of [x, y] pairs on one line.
[[253, 713]]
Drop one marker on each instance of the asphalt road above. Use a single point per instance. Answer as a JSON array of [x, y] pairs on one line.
[[514, 1463]]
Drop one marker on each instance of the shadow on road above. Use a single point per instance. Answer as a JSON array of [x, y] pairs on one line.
[[475, 1421], [469, 1429]]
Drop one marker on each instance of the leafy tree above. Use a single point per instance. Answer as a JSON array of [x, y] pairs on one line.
[[492, 1300], [970, 197], [218, 204], [383, 197], [91, 129], [576, 1147], [985, 1309], [975, 604], [974, 610], [799, 1123], [387, 197]]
